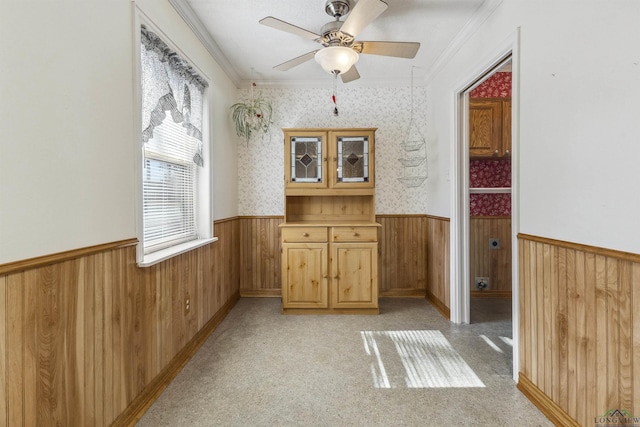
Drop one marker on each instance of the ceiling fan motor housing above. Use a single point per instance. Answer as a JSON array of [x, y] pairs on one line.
[[337, 8], [332, 36]]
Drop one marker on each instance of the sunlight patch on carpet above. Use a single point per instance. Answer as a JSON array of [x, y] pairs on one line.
[[416, 359], [491, 343]]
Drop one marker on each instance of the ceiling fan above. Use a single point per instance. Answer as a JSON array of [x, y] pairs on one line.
[[340, 50]]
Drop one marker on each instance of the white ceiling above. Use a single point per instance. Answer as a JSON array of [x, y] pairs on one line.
[[251, 50]]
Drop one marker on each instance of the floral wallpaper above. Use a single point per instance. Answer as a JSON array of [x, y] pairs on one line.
[[261, 160], [490, 204], [496, 86], [491, 173]]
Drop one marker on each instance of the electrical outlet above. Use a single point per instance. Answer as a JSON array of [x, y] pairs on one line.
[[494, 243], [482, 283], [187, 305]]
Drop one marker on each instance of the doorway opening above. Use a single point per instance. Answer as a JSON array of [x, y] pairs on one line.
[[489, 151], [462, 282]]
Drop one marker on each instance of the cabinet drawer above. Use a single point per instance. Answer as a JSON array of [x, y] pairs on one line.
[[354, 234], [304, 234]]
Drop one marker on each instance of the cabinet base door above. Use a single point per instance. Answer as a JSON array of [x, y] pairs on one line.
[[355, 275], [304, 275]]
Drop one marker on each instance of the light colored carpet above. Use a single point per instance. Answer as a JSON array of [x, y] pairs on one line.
[[407, 366]]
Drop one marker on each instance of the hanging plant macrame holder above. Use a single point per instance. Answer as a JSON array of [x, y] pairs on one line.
[[252, 116]]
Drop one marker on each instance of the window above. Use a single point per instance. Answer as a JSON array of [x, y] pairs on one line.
[[175, 209], [169, 188]]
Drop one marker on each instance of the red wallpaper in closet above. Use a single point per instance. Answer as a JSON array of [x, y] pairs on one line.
[[496, 86], [491, 173]]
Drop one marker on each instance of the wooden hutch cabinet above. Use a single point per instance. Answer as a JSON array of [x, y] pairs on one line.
[[489, 127], [329, 235]]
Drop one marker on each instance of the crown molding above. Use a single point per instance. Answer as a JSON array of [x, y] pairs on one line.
[[483, 12], [198, 28], [188, 14]]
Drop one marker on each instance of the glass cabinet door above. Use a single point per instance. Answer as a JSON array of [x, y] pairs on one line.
[[329, 159], [353, 159], [306, 159], [352, 155]]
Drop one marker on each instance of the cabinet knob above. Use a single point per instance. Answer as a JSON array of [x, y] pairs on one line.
[[355, 234], [495, 153], [305, 234], [507, 152]]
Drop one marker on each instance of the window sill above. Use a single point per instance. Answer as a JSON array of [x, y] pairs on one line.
[[165, 254]]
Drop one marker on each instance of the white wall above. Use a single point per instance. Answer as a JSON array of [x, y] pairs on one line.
[[67, 136], [579, 108], [261, 161]]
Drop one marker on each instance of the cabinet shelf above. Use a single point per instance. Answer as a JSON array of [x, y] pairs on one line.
[[329, 223]]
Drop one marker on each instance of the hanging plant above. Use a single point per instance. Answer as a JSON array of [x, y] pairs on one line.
[[253, 115]]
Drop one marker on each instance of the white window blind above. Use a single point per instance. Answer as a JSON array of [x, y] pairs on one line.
[[169, 188]]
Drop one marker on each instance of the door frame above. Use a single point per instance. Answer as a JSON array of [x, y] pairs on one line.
[[459, 251]]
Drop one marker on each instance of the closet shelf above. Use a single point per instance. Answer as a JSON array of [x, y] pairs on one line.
[[490, 190]]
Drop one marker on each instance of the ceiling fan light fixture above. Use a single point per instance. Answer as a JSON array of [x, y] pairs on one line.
[[336, 59]]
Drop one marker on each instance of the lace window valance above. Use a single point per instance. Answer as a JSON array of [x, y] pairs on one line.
[[169, 85]]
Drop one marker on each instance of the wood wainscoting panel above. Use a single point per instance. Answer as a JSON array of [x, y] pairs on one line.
[[4, 385], [260, 253], [438, 244], [579, 332], [84, 333], [403, 254], [487, 262], [402, 250]]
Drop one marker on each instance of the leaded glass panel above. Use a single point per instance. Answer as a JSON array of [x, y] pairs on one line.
[[306, 159], [353, 159]]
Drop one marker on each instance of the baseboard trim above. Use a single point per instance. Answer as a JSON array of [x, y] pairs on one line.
[[403, 293], [491, 294], [260, 293], [439, 305], [154, 389], [544, 403], [401, 216]]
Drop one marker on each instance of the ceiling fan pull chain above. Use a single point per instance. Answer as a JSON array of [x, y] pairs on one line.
[[334, 97]]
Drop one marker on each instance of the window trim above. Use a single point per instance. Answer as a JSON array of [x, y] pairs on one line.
[[164, 254], [204, 206]]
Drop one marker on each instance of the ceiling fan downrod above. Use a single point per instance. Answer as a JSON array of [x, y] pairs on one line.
[[337, 8]]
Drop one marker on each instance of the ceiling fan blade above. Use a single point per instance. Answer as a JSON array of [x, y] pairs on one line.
[[295, 61], [363, 14], [278, 24], [351, 75], [397, 49]]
